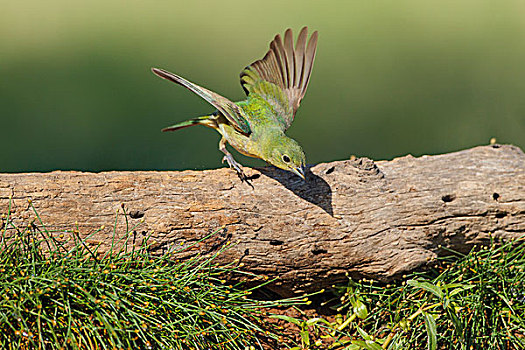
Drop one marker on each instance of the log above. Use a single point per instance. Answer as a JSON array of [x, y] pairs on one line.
[[368, 219]]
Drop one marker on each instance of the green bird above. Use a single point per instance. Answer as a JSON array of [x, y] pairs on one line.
[[275, 86]]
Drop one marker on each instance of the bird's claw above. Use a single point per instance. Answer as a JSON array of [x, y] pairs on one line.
[[237, 167]]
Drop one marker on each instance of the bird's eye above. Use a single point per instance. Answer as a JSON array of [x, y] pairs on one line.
[[286, 159]]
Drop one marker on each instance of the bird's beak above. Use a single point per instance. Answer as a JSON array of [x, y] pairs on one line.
[[300, 172]]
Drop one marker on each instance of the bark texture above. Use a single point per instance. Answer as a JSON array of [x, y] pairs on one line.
[[370, 219]]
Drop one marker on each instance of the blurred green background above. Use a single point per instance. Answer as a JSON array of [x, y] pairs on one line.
[[390, 78]]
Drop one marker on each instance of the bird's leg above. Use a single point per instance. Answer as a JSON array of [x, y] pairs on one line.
[[231, 162]]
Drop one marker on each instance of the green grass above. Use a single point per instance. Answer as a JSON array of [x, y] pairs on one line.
[[472, 301], [55, 295], [60, 294]]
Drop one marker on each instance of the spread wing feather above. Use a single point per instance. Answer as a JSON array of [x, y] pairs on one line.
[[230, 110], [286, 68]]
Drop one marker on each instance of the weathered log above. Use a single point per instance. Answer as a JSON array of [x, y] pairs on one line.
[[370, 219]]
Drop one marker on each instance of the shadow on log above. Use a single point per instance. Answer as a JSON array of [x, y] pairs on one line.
[[369, 219]]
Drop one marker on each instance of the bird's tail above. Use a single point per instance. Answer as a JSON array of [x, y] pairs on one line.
[[206, 120]]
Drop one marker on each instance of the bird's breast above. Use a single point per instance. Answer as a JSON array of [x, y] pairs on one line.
[[242, 143]]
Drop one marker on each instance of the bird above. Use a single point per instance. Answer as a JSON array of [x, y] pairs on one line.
[[274, 87]]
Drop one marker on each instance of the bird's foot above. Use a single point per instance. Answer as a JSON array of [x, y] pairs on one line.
[[237, 167]]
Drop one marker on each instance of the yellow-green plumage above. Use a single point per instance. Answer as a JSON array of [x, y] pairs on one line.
[[275, 86]]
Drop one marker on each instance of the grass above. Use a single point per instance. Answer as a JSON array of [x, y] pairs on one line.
[[472, 301], [56, 294]]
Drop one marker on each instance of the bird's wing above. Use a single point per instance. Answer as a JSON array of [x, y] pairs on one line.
[[282, 76], [230, 110]]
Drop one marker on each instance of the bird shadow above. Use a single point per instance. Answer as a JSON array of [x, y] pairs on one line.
[[314, 189]]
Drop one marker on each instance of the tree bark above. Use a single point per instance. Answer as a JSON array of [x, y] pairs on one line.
[[369, 219]]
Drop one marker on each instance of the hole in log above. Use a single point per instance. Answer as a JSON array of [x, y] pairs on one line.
[[496, 145], [495, 196], [331, 170], [501, 214], [448, 198], [276, 242], [318, 251], [136, 214]]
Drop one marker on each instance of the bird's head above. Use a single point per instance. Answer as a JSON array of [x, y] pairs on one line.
[[287, 154]]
